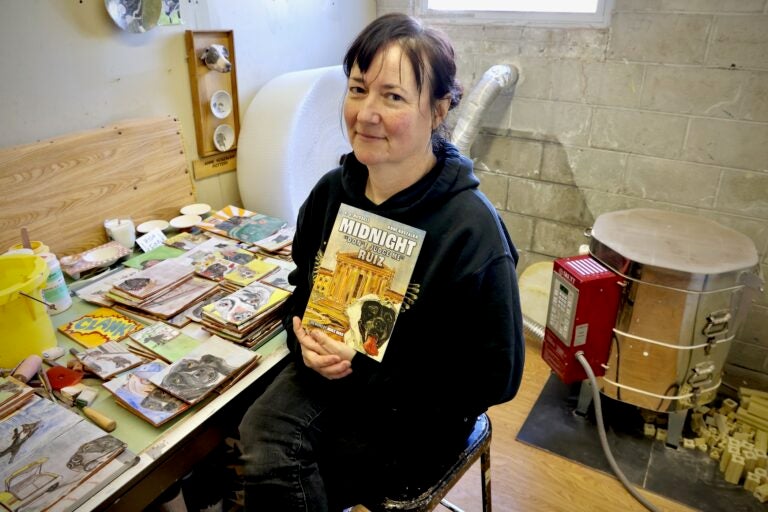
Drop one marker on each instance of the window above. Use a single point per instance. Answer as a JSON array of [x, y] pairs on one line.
[[527, 12]]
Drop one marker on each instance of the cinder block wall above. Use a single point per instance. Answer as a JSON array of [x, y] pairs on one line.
[[666, 108]]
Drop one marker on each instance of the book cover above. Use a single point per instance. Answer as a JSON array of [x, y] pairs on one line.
[[96, 292], [363, 279], [245, 304], [178, 298], [153, 257], [202, 370], [254, 270], [195, 312], [108, 359], [277, 241], [155, 278], [100, 326], [13, 395], [167, 342], [135, 390], [242, 224], [186, 240], [50, 451]]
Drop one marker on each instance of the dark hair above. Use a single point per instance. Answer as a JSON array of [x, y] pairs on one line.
[[428, 50]]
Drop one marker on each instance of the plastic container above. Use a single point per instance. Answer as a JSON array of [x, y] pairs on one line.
[[25, 327], [55, 291]]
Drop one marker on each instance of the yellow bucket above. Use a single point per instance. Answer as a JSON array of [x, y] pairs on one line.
[[25, 327]]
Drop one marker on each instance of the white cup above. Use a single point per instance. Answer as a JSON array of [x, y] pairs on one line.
[[121, 231]]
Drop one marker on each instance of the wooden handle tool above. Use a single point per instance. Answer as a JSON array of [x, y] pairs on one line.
[[104, 422]]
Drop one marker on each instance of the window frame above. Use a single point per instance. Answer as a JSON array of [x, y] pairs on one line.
[[599, 19]]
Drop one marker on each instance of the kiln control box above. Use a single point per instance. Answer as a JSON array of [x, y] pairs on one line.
[[583, 303]]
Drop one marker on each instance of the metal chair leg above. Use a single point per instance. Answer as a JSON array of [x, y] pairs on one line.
[[485, 474]]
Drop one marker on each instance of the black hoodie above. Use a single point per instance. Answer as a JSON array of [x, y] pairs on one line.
[[458, 349]]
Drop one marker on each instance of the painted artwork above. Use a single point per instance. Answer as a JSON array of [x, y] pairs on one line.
[[203, 369], [100, 326], [13, 394], [135, 390], [108, 359], [254, 270], [245, 304], [46, 451], [186, 240], [155, 278], [171, 13], [195, 312], [241, 224], [96, 292], [167, 342], [277, 241], [153, 257], [179, 297]]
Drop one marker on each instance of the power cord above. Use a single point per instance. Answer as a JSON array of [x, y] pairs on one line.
[[604, 438]]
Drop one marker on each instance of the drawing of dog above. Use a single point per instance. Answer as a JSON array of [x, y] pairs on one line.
[[371, 322], [216, 57]]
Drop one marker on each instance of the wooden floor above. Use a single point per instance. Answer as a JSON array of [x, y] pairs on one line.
[[528, 479]]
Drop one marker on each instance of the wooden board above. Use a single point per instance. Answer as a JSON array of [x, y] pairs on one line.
[[205, 82], [63, 189]]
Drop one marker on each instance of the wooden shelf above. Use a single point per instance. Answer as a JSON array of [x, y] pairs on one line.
[[205, 83]]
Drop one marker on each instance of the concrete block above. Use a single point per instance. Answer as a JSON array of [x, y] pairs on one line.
[[754, 107], [672, 181], [567, 123], [613, 83], [505, 155], [689, 90], [552, 201], [728, 143], [520, 229], [584, 167], [739, 41], [747, 355], [557, 239], [646, 133], [745, 193], [558, 43], [494, 186], [659, 37]]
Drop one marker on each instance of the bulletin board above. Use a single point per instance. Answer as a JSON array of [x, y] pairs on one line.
[[208, 84]]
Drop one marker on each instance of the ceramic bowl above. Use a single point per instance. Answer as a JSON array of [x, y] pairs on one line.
[[224, 137], [102, 257], [146, 227], [221, 104], [185, 221]]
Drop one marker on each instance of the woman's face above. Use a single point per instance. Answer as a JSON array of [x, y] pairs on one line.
[[388, 121]]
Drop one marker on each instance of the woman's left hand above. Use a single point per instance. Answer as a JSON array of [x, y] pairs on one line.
[[330, 358]]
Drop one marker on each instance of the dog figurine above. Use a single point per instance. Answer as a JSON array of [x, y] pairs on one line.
[[216, 57]]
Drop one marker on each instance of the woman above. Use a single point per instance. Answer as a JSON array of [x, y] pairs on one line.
[[337, 428]]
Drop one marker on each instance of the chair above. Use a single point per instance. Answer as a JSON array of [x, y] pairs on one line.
[[423, 500]]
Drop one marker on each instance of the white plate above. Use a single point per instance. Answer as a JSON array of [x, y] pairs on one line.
[[223, 137], [185, 221], [196, 209], [221, 104], [146, 227]]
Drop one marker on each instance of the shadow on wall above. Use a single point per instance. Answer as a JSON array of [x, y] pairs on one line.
[[537, 191]]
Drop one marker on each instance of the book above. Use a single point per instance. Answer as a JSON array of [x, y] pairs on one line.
[[13, 395], [198, 373], [100, 326], [165, 341], [245, 304], [150, 258], [241, 224], [154, 279], [247, 273], [52, 451], [363, 279], [108, 359], [277, 241], [186, 240], [134, 390], [96, 292]]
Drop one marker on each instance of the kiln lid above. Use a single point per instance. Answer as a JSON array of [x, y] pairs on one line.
[[674, 241]]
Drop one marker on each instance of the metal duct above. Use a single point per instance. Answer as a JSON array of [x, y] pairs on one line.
[[497, 79]]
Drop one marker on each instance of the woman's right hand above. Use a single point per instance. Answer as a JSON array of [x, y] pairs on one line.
[[328, 357]]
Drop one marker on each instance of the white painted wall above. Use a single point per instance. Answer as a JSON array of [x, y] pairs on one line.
[[67, 67]]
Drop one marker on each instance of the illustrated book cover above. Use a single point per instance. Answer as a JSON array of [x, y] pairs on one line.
[[186, 240], [165, 341], [153, 257], [241, 224], [199, 372], [108, 359], [362, 280], [134, 390], [100, 326], [96, 292], [48, 451], [154, 279], [254, 270], [245, 304], [13, 394]]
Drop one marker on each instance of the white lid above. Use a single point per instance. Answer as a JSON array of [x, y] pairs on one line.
[[676, 241]]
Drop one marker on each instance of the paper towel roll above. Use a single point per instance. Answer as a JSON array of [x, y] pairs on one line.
[[290, 136]]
